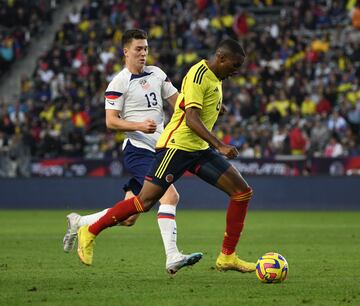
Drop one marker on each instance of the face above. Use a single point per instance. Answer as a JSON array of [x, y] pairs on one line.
[[230, 65], [135, 55]]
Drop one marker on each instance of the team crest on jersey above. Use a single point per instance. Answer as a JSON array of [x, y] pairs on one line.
[[144, 84], [169, 178]]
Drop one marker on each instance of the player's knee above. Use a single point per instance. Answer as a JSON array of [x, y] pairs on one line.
[[174, 198], [171, 197], [250, 191], [243, 193]]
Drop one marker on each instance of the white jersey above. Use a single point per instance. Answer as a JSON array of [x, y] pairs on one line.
[[139, 97]]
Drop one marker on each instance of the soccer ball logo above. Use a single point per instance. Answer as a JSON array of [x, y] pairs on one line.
[[272, 268]]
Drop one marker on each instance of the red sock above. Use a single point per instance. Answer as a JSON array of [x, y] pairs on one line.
[[119, 212], [235, 217]]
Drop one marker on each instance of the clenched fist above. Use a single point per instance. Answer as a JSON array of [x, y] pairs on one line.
[[148, 126], [229, 151]]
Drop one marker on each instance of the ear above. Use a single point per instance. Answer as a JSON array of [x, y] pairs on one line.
[[126, 51], [220, 56]]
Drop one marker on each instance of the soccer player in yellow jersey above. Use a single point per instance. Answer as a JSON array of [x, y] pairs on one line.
[[185, 145]]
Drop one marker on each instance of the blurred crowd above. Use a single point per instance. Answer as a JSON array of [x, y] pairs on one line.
[[20, 21], [298, 92]]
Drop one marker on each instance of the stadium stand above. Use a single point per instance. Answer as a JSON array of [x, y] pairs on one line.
[[20, 22], [298, 92]]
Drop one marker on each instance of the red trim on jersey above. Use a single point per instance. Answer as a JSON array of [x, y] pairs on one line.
[[192, 104], [182, 104], [181, 119], [112, 95], [149, 178]]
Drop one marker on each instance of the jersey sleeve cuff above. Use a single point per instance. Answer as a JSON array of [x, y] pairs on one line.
[[193, 104]]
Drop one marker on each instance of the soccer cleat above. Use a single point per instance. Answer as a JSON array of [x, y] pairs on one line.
[[71, 232], [85, 245], [181, 261], [232, 262]]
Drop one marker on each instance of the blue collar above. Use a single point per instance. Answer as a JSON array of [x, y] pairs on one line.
[[140, 75]]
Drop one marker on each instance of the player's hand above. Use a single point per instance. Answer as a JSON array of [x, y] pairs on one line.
[[148, 126], [229, 151], [223, 110]]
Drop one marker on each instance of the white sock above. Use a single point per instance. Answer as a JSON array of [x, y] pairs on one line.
[[90, 219], [167, 224]]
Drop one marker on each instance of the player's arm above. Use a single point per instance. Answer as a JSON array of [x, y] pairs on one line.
[[172, 99], [194, 122], [113, 121]]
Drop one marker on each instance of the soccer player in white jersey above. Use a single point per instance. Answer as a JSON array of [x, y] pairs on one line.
[[134, 104]]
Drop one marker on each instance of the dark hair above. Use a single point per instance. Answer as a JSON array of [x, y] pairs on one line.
[[129, 35], [231, 46]]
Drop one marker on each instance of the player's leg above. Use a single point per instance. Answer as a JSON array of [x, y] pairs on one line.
[[168, 166], [166, 217], [92, 218], [132, 219], [148, 196], [136, 162], [217, 171], [240, 194], [75, 221]]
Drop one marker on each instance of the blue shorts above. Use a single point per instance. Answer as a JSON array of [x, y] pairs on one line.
[[137, 161]]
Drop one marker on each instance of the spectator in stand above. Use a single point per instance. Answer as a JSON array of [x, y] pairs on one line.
[[227, 137], [241, 23], [319, 137], [355, 16], [308, 107], [281, 70], [238, 138], [80, 118], [247, 151], [21, 24], [278, 139], [353, 148], [337, 123], [334, 148], [273, 111], [354, 117], [323, 106], [298, 140]]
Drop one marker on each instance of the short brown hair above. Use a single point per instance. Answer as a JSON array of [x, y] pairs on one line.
[[129, 35]]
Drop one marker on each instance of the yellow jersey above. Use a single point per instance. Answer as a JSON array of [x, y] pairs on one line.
[[201, 89]]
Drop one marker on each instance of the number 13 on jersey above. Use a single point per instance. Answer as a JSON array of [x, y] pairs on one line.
[[151, 99]]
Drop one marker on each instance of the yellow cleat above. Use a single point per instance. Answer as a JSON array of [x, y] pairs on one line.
[[232, 262], [85, 245]]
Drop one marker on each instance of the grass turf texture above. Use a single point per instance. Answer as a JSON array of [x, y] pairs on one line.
[[321, 248]]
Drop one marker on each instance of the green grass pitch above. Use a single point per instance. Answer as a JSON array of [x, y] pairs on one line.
[[322, 249]]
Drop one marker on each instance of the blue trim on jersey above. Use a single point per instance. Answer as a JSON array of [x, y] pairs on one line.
[[113, 93], [140, 75]]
